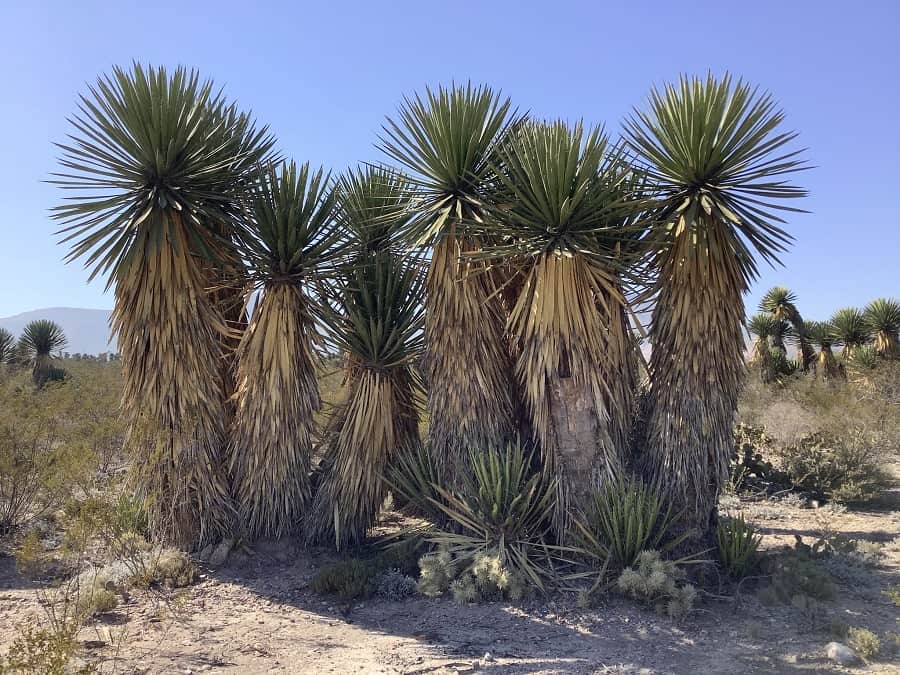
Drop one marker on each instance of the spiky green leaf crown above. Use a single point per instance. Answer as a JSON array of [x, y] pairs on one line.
[[290, 232], [820, 332], [778, 301], [562, 189], [42, 338], [7, 345], [446, 142], [373, 206], [883, 315], [377, 315], [761, 325], [849, 327], [714, 152], [146, 144]]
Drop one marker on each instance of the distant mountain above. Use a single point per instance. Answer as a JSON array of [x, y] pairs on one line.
[[86, 329]]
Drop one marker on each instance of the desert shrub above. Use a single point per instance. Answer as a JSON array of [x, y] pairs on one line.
[[625, 518], [394, 585], [402, 555], [347, 579], [737, 544], [172, 568], [655, 581], [865, 643], [750, 470], [95, 599], [846, 468], [40, 651], [503, 510], [795, 578], [893, 594]]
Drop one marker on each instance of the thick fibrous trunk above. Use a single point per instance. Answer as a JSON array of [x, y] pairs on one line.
[[575, 371], [277, 398], [696, 369], [172, 366], [376, 422], [467, 363]]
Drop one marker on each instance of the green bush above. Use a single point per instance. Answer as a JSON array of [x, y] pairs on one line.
[[865, 643], [795, 576], [737, 544], [845, 468], [347, 579], [626, 517], [41, 651]]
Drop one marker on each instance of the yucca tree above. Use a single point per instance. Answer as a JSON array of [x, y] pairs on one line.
[[782, 333], [883, 317], [158, 163], [446, 141], [563, 204], [850, 329], [291, 243], [761, 326], [39, 342], [781, 303], [821, 333], [7, 347], [377, 324], [715, 153]]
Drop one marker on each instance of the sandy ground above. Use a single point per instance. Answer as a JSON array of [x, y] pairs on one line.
[[260, 617]]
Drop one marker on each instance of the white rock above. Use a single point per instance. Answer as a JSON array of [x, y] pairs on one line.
[[841, 653]]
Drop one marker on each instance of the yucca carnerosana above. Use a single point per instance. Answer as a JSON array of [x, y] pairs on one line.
[[39, 340], [447, 142], [714, 153], [563, 204], [821, 333], [761, 326], [291, 243], [850, 329], [377, 324], [158, 164], [7, 347], [780, 334], [781, 303], [883, 317]]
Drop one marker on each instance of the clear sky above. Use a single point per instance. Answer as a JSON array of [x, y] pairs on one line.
[[323, 76]]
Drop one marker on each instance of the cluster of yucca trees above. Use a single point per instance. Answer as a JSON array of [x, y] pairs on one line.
[[512, 255], [866, 336]]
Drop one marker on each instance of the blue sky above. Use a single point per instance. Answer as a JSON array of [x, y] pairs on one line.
[[324, 75]]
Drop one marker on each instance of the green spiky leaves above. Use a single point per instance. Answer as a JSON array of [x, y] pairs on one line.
[[850, 328], [147, 142], [7, 346], [713, 150], [41, 338], [779, 302], [447, 141], [374, 206], [883, 317], [761, 325], [292, 233]]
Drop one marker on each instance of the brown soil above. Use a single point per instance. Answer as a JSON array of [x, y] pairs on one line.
[[257, 615]]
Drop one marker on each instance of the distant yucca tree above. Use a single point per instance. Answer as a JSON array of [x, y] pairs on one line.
[[715, 154], [291, 243], [158, 163], [821, 333], [39, 341], [850, 329], [446, 142], [761, 359], [883, 317], [377, 324], [7, 347], [563, 204], [781, 333], [781, 303]]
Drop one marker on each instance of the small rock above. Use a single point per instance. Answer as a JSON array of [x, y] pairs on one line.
[[841, 653], [220, 554], [488, 657]]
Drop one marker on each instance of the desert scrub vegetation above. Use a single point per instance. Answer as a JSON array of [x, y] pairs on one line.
[[656, 582], [737, 546]]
